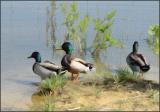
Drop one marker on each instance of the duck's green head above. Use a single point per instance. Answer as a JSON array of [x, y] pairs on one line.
[[135, 47], [67, 47], [36, 55]]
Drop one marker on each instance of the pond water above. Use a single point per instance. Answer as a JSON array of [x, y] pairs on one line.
[[23, 30]]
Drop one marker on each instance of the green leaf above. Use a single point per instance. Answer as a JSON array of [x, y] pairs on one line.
[[110, 15], [83, 24], [153, 38], [98, 25], [112, 42], [103, 39], [150, 32], [107, 35], [109, 24], [74, 7], [64, 8]]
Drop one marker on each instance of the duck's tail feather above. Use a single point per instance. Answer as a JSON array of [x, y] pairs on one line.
[[145, 68], [90, 69]]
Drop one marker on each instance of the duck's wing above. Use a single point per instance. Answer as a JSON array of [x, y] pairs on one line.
[[79, 60], [142, 58], [135, 59], [47, 61], [42, 71], [49, 65], [83, 62], [79, 65]]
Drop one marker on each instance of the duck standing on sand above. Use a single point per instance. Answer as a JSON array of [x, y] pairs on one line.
[[46, 68], [72, 64], [136, 61]]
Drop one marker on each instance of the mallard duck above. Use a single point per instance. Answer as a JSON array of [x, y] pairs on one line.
[[72, 64], [136, 61], [46, 68]]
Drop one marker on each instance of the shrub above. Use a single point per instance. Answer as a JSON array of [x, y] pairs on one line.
[[103, 38]]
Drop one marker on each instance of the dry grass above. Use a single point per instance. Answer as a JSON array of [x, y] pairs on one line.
[[124, 96]]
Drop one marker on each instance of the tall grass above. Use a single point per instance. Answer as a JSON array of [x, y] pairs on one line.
[[53, 84], [123, 74]]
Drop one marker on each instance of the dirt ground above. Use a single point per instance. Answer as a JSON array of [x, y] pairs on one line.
[[124, 96]]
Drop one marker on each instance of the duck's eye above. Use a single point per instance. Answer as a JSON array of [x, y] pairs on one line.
[[90, 67]]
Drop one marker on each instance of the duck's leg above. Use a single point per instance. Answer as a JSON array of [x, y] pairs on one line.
[[72, 77], [77, 77], [133, 73], [142, 75]]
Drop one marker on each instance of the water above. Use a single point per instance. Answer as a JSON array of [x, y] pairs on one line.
[[23, 31]]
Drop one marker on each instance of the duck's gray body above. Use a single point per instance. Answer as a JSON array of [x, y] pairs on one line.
[[46, 68]]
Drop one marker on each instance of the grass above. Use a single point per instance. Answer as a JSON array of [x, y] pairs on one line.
[[154, 95], [88, 108], [46, 105], [123, 74], [129, 94], [80, 97], [96, 91], [53, 84]]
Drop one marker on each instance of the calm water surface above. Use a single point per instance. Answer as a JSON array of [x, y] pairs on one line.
[[23, 30]]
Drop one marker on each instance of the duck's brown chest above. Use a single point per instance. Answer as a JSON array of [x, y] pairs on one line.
[[66, 60]]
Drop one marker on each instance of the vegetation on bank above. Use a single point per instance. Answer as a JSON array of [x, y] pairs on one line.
[[153, 38], [124, 96], [53, 85], [122, 91], [103, 38], [123, 74]]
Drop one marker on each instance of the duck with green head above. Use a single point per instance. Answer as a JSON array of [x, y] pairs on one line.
[[46, 68], [137, 61], [72, 64]]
